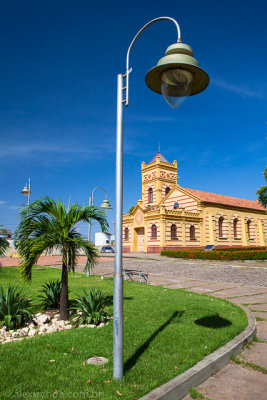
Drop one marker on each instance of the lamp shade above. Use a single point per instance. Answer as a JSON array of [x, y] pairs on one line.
[[25, 191], [106, 204], [177, 75]]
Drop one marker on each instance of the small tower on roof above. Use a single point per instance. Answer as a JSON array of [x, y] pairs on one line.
[[158, 178]]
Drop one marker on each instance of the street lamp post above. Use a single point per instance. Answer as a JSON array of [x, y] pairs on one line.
[[27, 190], [176, 76], [105, 206]]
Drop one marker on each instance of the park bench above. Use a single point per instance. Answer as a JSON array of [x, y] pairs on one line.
[[130, 273]]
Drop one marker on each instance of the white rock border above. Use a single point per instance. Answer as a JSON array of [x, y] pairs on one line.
[[41, 324]]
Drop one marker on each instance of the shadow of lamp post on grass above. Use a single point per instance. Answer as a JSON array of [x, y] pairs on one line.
[[130, 363], [176, 76]]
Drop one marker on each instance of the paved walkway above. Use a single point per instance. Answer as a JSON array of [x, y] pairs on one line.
[[240, 282]]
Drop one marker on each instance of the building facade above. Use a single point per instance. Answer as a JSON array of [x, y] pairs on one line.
[[172, 217]]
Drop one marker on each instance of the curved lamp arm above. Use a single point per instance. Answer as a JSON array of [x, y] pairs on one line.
[[98, 187], [128, 69]]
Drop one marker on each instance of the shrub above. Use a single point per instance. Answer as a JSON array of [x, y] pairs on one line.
[[14, 307], [239, 248], [51, 294], [217, 255], [89, 308]]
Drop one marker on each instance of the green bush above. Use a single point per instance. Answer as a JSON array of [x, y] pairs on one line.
[[51, 294], [89, 308], [217, 255], [15, 307], [239, 248]]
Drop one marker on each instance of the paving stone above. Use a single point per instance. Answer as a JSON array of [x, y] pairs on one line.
[[236, 383], [189, 284], [262, 330], [260, 314], [261, 307], [241, 291], [261, 298], [256, 354], [212, 287]]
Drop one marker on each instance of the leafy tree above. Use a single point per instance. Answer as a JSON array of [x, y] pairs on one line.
[[262, 191], [46, 224], [130, 209]]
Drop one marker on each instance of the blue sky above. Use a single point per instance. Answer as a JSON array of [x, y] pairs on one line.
[[59, 61]]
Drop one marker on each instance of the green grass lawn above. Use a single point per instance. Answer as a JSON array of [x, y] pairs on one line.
[[166, 332]]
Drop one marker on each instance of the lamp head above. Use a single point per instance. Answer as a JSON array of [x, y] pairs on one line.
[[106, 205], [25, 191], [177, 75]]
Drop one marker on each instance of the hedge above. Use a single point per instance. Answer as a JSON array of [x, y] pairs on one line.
[[239, 248], [217, 255]]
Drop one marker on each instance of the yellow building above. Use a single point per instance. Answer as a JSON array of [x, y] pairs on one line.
[[170, 216]]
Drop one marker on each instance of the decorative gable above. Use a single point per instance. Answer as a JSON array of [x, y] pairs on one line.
[[178, 198]]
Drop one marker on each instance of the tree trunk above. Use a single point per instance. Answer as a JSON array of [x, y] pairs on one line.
[[64, 294]]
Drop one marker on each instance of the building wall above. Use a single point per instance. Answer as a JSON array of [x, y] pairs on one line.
[[102, 238], [257, 235]]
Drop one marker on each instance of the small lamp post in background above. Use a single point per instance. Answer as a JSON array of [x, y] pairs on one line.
[[105, 206], [27, 190], [176, 76]]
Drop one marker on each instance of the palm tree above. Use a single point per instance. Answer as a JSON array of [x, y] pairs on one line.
[[45, 225], [3, 242]]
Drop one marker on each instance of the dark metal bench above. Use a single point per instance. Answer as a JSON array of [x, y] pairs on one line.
[[129, 273]]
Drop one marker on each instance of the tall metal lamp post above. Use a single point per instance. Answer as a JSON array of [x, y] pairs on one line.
[[27, 190], [105, 206], [176, 76]]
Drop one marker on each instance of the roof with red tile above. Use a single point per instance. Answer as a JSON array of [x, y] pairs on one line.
[[227, 200]]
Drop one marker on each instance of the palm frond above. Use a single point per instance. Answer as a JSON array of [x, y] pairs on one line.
[[45, 224]]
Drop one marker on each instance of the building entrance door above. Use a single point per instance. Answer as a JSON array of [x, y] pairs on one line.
[[141, 239]]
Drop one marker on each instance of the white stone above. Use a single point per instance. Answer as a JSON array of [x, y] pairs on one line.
[[51, 329], [42, 319], [42, 329], [97, 360], [90, 326]]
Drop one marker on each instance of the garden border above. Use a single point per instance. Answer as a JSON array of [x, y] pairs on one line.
[[178, 387]]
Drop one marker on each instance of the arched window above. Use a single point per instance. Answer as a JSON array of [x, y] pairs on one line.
[[167, 190], [154, 231], [176, 205], [248, 224], [150, 195], [192, 232], [173, 232], [221, 227], [235, 227], [126, 234]]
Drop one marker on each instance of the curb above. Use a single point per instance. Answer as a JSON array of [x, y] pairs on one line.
[[178, 387]]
